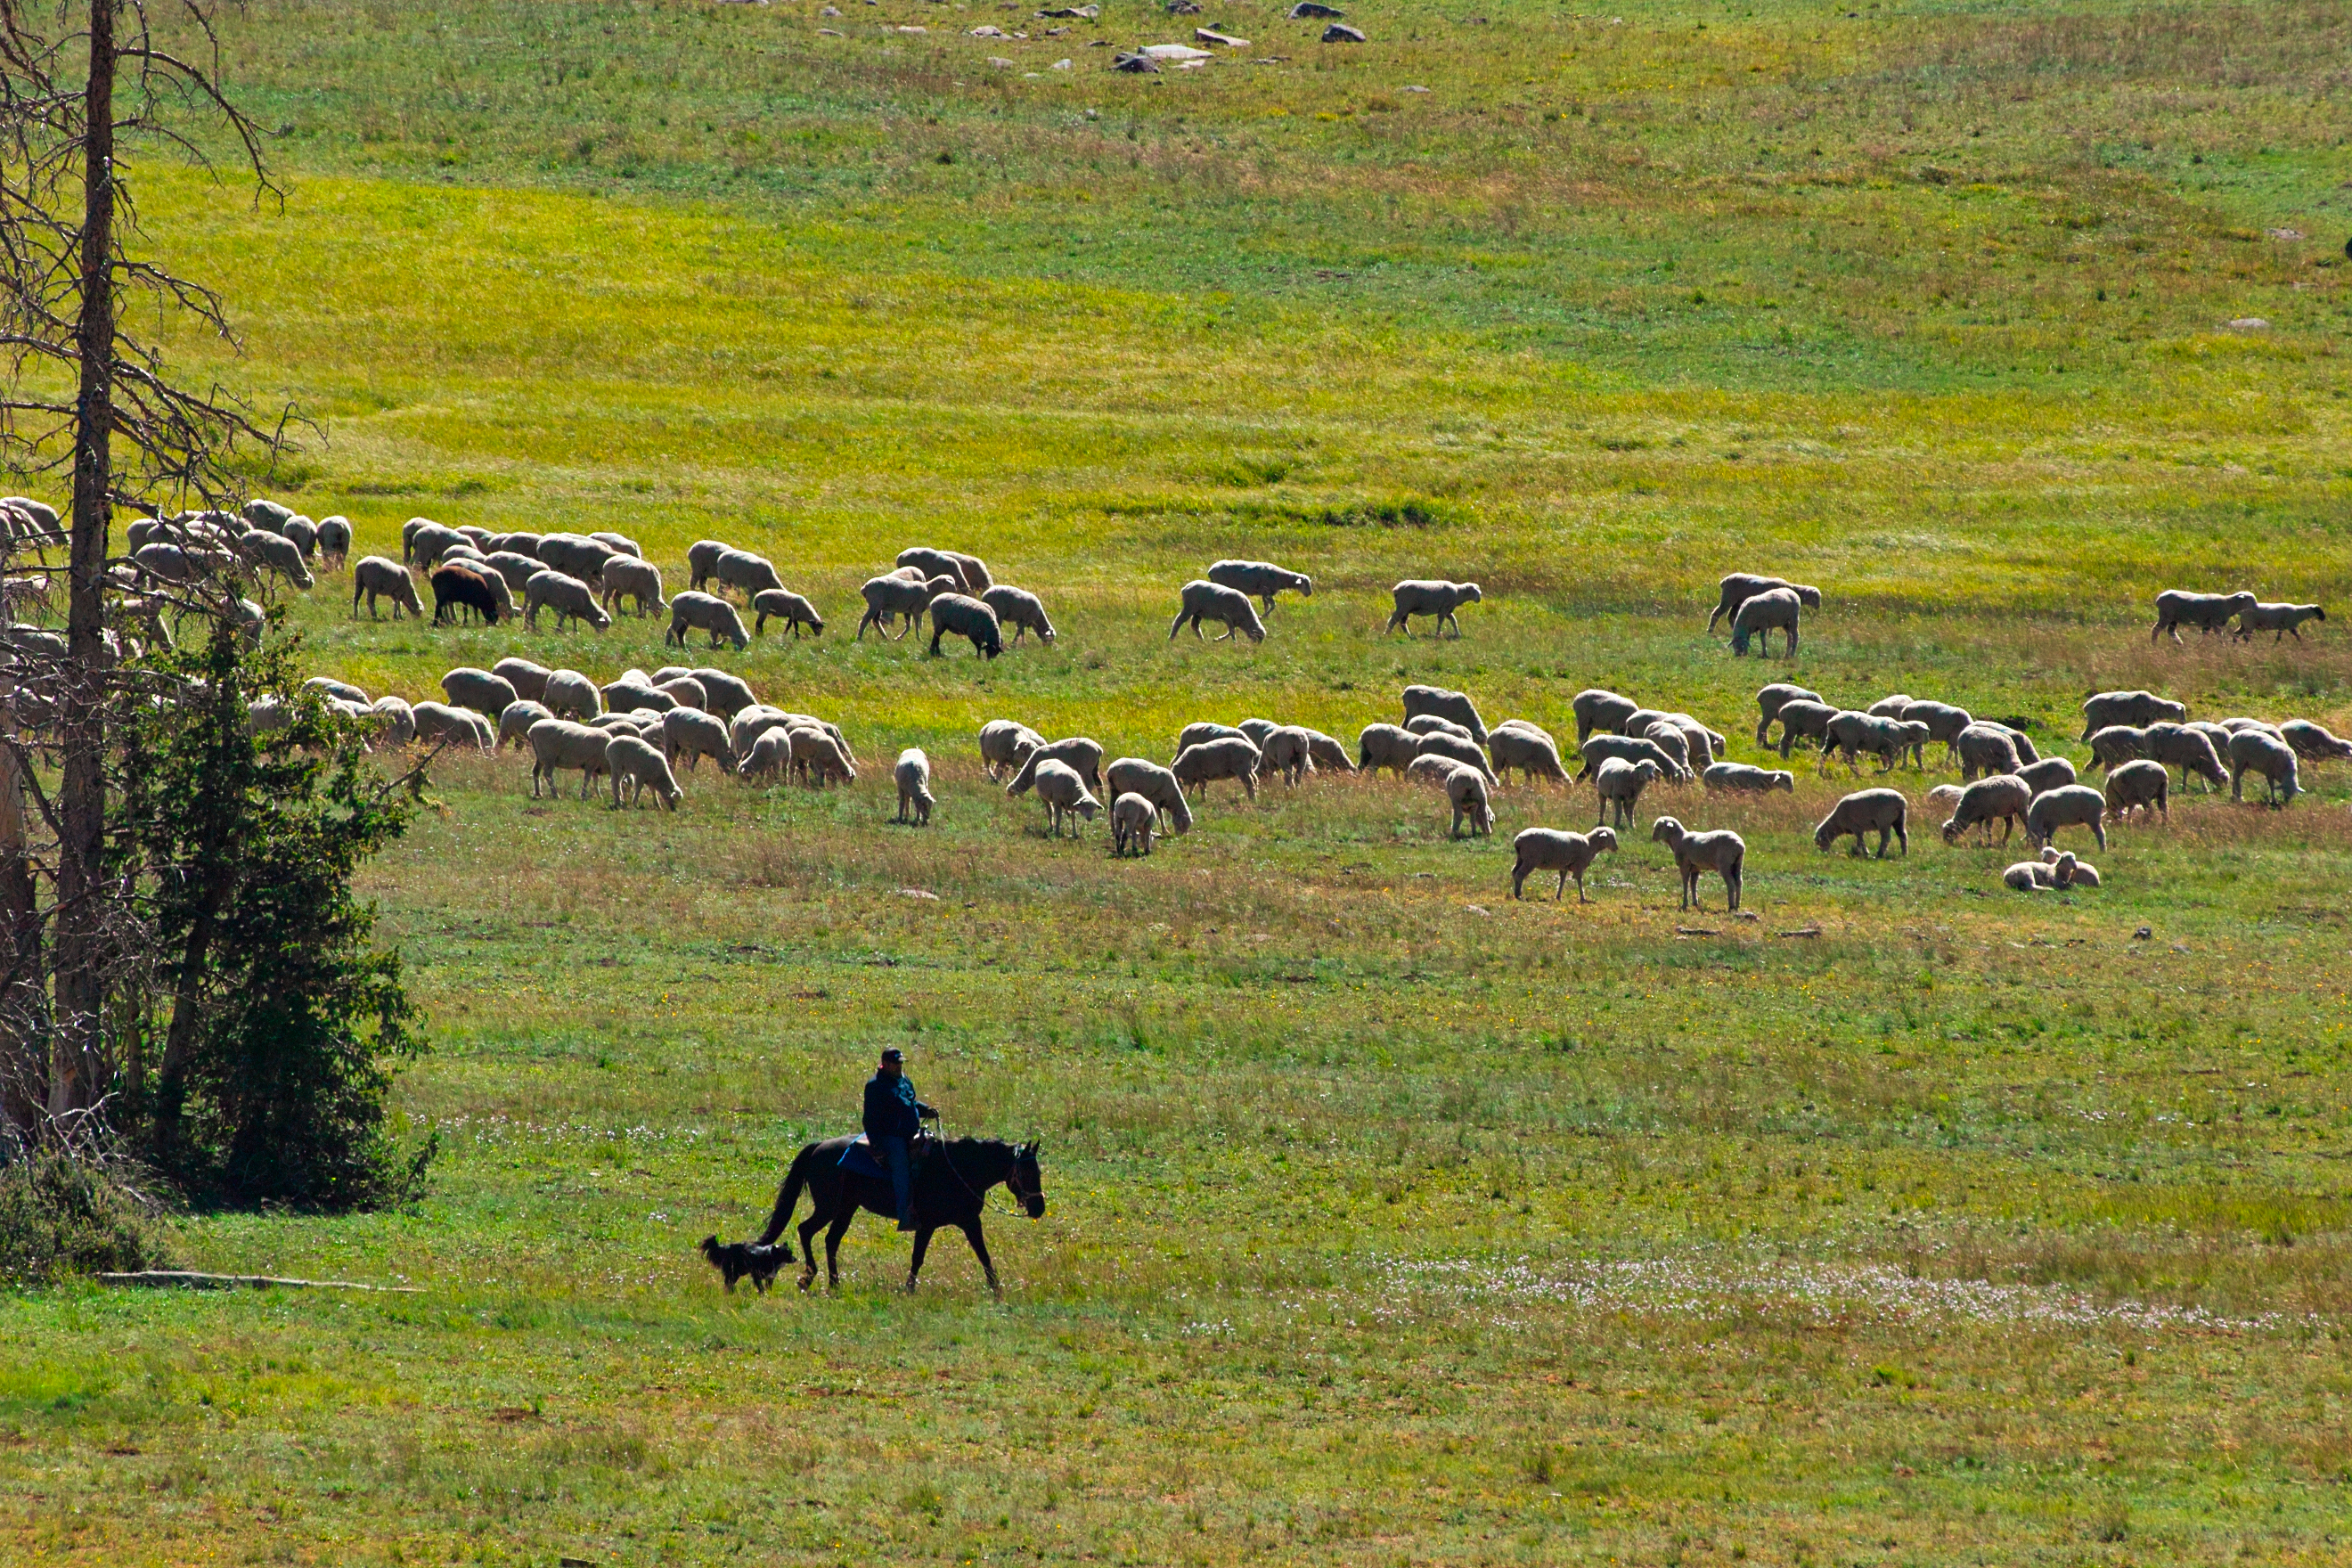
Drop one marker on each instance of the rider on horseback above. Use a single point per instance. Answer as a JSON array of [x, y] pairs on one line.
[[893, 1116]]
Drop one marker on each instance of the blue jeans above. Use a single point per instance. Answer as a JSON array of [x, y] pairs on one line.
[[894, 1159]]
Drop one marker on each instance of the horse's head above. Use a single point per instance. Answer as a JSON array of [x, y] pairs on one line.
[[1025, 1182]]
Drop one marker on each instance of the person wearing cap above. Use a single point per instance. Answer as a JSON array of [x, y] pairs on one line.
[[893, 1116]]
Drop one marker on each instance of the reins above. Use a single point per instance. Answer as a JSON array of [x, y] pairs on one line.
[[977, 1197]]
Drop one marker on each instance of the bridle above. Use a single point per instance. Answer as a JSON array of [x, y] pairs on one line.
[[1025, 1199]]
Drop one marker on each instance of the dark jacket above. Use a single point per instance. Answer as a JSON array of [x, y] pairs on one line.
[[891, 1109]]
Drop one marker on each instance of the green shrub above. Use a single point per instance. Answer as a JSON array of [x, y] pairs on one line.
[[60, 1216]]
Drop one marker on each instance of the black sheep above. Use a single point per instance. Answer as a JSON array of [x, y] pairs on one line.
[[464, 587]]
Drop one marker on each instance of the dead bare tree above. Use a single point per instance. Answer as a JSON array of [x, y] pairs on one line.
[[85, 85]]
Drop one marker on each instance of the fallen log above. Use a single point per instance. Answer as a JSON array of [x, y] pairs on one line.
[[188, 1279]]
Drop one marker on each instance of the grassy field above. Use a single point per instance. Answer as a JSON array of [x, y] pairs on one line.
[[1392, 1221]]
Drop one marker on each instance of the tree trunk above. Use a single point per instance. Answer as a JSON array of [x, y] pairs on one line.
[[24, 1035], [76, 1065]]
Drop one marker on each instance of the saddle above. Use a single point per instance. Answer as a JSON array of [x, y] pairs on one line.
[[859, 1158]]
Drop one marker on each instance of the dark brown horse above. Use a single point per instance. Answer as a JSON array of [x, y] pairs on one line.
[[947, 1190]]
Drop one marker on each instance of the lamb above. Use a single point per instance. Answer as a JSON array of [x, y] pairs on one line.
[[1879, 811], [1261, 580], [2116, 744], [399, 719], [1741, 778], [1204, 600], [818, 754], [784, 605], [1020, 609], [2073, 805], [1455, 748], [691, 733], [888, 596], [2083, 874], [1132, 776], [569, 692], [2177, 607], [618, 541], [1465, 790], [568, 597], [626, 577], [2251, 750], [1285, 752], [1386, 746], [2279, 620], [707, 612], [1620, 783], [477, 688], [636, 767], [529, 680], [2313, 742], [2106, 707], [1986, 749], [1722, 851], [1419, 724], [1523, 746], [1742, 586], [771, 755], [557, 744], [1801, 720], [2004, 797], [741, 569], [334, 542], [940, 563], [460, 587], [1064, 794], [1943, 723], [961, 615], [1231, 757], [2053, 871], [1769, 701], [375, 576], [1131, 820], [2140, 783], [515, 720], [2049, 773], [439, 722], [576, 555], [1551, 849], [1439, 703], [1004, 744], [913, 773], [1430, 596], [1078, 753], [1598, 709], [275, 552], [1760, 616], [723, 694], [1602, 749], [1327, 754]]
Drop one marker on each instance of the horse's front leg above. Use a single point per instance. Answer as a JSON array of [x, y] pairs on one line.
[[980, 1250], [833, 1245], [915, 1267]]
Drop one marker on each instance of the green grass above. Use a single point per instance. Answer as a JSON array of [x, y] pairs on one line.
[[1392, 1221]]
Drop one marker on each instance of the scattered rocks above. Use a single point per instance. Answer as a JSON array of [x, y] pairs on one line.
[[1306, 8], [1061, 66], [1000, 62], [1074, 13], [1211, 36], [1136, 64], [1183, 7], [986, 31], [2250, 324], [2287, 234], [830, 33], [1416, 89], [913, 29], [830, 11], [1172, 52], [1341, 33]]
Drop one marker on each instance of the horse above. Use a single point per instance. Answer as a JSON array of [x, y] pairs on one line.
[[947, 1190]]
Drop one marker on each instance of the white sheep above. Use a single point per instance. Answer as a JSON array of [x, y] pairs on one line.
[[893, 596], [571, 599], [2049, 773], [1801, 720], [818, 756], [1986, 749], [1022, 610], [1775, 610], [2140, 785], [376, 577], [399, 719], [529, 680], [1231, 757], [1515, 743], [1856, 733], [1551, 849], [2073, 806], [2252, 751], [455, 726], [569, 692], [636, 767], [2116, 744], [1078, 751], [1064, 794], [1739, 587], [2101, 709], [2004, 798], [558, 744], [2313, 742], [515, 720], [1437, 702], [1151, 782], [1466, 753], [2177, 607], [1602, 749], [1879, 811], [743, 570], [485, 693], [1740, 778], [1465, 790], [938, 563], [959, 615], [1260, 579], [1131, 820], [1430, 596], [1203, 600], [2280, 620], [1769, 701], [1327, 752], [1721, 851], [627, 577], [1285, 753], [1890, 706], [702, 560], [1006, 743], [769, 757], [1420, 725], [1192, 734], [784, 605], [691, 733], [1620, 783], [1386, 746], [1596, 709], [913, 774], [705, 613]]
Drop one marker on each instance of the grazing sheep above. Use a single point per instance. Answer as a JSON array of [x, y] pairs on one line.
[[1620, 783], [1879, 811], [2208, 613], [1986, 749], [1064, 794], [334, 542], [1203, 600], [275, 552], [784, 605], [1598, 709], [2073, 806], [2138, 785], [752, 573], [1020, 609], [2019, 741], [1534, 753], [1890, 706], [439, 722], [399, 719], [976, 580], [888, 596], [568, 693], [938, 563], [259, 511], [1465, 790], [517, 570], [1430, 596], [702, 560], [1670, 739], [630, 694], [1602, 749], [2189, 748], [2280, 620], [2049, 773], [1285, 752], [1945, 795], [626, 577], [1722, 851], [477, 536], [529, 680], [770, 756], [486, 694], [618, 541], [460, 587], [576, 555], [1004, 744], [521, 543], [1419, 724], [2004, 798], [1386, 746], [2142, 708], [1740, 778], [1769, 701], [913, 773], [1742, 586], [2314, 743], [1151, 782], [1437, 702], [636, 767], [691, 733], [751, 723], [568, 597], [683, 690], [428, 544], [1466, 753], [342, 690], [2264, 725], [558, 744], [725, 695], [515, 720], [818, 754], [1943, 723], [1192, 734], [1132, 821], [1760, 616], [629, 722], [2116, 744], [959, 615], [1553, 849], [1327, 752], [1705, 746], [706, 613], [1262, 580], [375, 576], [1078, 753], [1231, 757], [2251, 750]]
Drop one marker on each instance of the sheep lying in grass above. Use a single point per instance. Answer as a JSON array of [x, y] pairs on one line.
[[1742, 586], [1285, 752], [375, 577], [1515, 743], [1437, 702], [1601, 749], [558, 744], [1077, 751], [1151, 782], [1386, 746], [515, 720], [1206, 601], [1064, 794], [1004, 745], [1131, 819], [2139, 785], [1327, 754], [1804, 720], [2139, 708], [2085, 874], [818, 756], [891, 596], [2004, 797], [1465, 790], [1738, 778], [2049, 773], [1231, 757], [1262, 580], [2116, 744], [636, 767], [1769, 701], [1722, 851], [1440, 744], [691, 733], [1430, 596], [2074, 805], [1986, 749], [1620, 783], [1022, 610], [2314, 743], [705, 613], [2252, 751], [1598, 709], [1550, 849], [784, 605], [2207, 612], [1775, 610], [2053, 871], [2279, 620], [1879, 811], [913, 774]]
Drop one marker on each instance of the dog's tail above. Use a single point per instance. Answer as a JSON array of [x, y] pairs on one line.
[[788, 1198]]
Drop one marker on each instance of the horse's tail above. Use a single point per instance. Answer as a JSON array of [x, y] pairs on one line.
[[788, 1198]]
